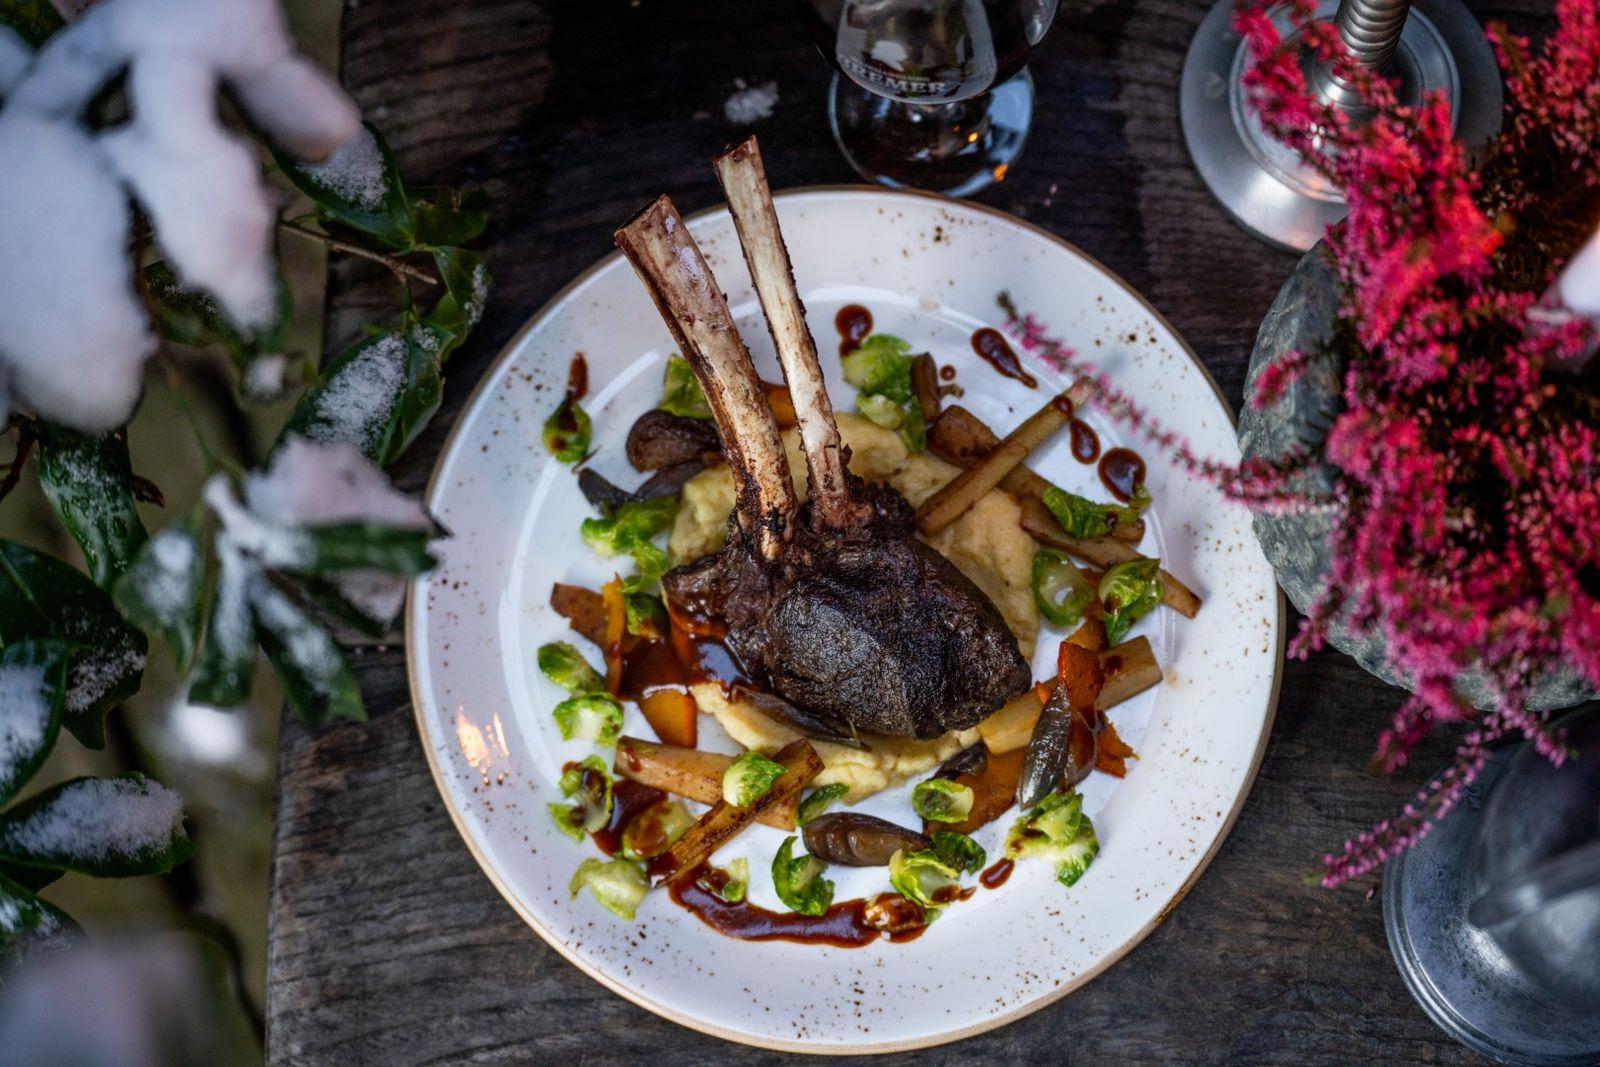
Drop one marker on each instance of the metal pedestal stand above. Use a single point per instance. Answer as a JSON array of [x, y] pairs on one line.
[[1428, 44]]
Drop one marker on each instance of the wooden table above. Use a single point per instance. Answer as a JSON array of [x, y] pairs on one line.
[[389, 946]]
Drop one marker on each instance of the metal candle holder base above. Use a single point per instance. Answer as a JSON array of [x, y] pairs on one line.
[[1457, 972], [1261, 182]]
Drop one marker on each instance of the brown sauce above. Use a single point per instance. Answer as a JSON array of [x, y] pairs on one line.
[[1122, 472], [947, 373], [1062, 404], [685, 659], [628, 799], [847, 924], [1085, 442], [995, 875], [993, 348], [951, 894], [854, 324], [578, 377]]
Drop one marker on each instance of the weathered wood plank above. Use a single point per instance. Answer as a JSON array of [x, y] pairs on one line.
[[388, 946]]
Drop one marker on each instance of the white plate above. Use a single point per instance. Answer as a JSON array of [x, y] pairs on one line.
[[929, 270]]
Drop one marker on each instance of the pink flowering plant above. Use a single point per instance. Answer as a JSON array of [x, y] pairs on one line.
[[1466, 457]]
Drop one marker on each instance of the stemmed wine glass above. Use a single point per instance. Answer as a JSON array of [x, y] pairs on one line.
[[930, 93]]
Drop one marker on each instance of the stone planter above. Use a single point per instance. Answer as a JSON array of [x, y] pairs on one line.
[[1301, 317]]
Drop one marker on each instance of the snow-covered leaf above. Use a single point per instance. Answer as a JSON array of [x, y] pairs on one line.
[[190, 317], [315, 677], [162, 588], [446, 216], [466, 281], [32, 879], [42, 597], [369, 545], [89, 482], [377, 396], [29, 924], [33, 679], [34, 20], [357, 186], [109, 827], [227, 662]]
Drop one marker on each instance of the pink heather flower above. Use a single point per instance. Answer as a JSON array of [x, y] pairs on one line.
[[1467, 482]]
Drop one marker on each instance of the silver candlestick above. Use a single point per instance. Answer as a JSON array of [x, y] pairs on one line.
[[1424, 45]]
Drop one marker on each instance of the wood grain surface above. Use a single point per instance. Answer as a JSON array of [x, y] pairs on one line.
[[388, 945]]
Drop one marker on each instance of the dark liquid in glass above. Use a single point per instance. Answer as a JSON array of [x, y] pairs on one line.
[[927, 51]]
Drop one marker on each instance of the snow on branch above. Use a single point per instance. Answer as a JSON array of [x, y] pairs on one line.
[[73, 332]]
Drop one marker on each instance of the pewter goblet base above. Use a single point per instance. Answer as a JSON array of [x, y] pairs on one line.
[[1261, 183]]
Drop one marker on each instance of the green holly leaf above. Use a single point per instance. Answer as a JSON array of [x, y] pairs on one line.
[[446, 216], [116, 827], [34, 20], [227, 662], [89, 483], [316, 680], [190, 317], [378, 395], [359, 187], [466, 281], [161, 589], [33, 686], [369, 545], [28, 924], [42, 597]]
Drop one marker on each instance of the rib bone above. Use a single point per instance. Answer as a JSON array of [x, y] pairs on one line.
[[670, 264], [744, 183]]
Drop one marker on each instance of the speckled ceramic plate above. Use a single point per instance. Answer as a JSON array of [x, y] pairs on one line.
[[929, 270]]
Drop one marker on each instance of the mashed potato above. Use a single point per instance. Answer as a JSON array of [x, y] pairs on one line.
[[987, 544]]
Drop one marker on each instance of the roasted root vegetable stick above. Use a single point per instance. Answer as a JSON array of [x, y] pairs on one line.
[[1129, 669], [724, 821], [966, 488], [690, 773], [960, 437], [1103, 552]]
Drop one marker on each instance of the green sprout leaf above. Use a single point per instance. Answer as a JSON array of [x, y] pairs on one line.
[[881, 366], [1060, 591], [108, 827], [655, 829], [1057, 831], [881, 411], [619, 885], [565, 666], [567, 431], [749, 778], [42, 597], [161, 589], [89, 484], [1083, 518], [1128, 592], [736, 882], [680, 390], [818, 801], [629, 526], [958, 851], [589, 783], [33, 683], [919, 876], [941, 800], [646, 615], [589, 717], [799, 881]]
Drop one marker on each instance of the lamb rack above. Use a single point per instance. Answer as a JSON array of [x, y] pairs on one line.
[[833, 605]]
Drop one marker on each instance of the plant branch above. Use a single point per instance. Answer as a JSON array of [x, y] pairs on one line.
[[401, 269], [25, 439]]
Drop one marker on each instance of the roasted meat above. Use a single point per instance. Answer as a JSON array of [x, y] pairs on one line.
[[834, 604]]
